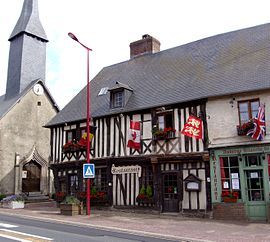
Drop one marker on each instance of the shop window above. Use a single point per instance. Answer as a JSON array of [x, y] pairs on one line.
[[230, 176], [248, 110], [73, 184], [100, 181], [147, 177]]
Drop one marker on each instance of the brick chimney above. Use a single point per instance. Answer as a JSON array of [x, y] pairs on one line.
[[147, 44]]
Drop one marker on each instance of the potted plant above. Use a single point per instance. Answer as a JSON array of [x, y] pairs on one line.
[[13, 201], [70, 206], [229, 196], [145, 196], [98, 197]]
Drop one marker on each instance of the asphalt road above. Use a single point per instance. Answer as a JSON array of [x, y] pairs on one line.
[[20, 229]]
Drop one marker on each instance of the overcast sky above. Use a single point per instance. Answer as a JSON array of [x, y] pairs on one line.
[[109, 26]]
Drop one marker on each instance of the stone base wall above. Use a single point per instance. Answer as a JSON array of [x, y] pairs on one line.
[[229, 211]]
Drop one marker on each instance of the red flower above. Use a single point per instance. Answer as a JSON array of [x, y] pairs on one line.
[[59, 196], [169, 129], [232, 194], [141, 196]]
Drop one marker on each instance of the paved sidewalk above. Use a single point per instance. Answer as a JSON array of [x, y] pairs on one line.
[[166, 226]]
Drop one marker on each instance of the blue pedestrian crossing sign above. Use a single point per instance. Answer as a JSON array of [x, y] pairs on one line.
[[88, 171]]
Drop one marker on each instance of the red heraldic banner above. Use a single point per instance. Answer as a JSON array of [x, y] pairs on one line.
[[134, 139], [193, 127]]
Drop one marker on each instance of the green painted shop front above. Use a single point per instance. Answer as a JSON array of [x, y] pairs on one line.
[[240, 182]]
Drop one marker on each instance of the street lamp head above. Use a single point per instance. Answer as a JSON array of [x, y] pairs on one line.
[[72, 36]]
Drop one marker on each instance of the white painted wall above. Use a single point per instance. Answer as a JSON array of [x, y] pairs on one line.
[[223, 118]]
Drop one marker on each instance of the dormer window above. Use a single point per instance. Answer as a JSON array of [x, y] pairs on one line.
[[117, 99], [119, 95]]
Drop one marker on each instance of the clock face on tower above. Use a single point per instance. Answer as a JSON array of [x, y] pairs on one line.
[[38, 89]]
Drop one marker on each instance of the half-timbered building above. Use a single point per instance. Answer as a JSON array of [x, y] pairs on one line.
[[25, 108], [160, 90]]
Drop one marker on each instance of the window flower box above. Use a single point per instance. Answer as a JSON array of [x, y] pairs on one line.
[[245, 127], [229, 196], [163, 134], [230, 199]]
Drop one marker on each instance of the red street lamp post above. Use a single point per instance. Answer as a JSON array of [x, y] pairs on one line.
[[88, 184]]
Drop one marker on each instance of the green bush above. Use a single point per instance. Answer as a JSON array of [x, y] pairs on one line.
[[93, 190], [53, 196], [149, 191], [71, 200], [142, 190], [2, 196]]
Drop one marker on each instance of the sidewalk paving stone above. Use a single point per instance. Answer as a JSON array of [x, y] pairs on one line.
[[158, 225]]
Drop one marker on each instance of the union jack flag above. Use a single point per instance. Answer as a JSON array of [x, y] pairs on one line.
[[258, 131]]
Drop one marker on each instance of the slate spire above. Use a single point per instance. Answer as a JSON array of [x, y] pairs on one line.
[[29, 21], [27, 54]]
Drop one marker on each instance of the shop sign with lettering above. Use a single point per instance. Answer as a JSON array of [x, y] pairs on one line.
[[126, 169]]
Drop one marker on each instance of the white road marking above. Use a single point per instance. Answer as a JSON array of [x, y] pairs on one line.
[[25, 234], [8, 226], [13, 238]]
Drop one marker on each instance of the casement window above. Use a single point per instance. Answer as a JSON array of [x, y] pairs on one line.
[[82, 132], [230, 175], [165, 120], [247, 110], [100, 181], [117, 99], [70, 135]]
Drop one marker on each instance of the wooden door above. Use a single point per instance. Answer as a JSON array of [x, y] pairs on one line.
[[170, 192], [31, 177]]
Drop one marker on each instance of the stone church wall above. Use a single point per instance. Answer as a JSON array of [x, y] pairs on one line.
[[20, 130]]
